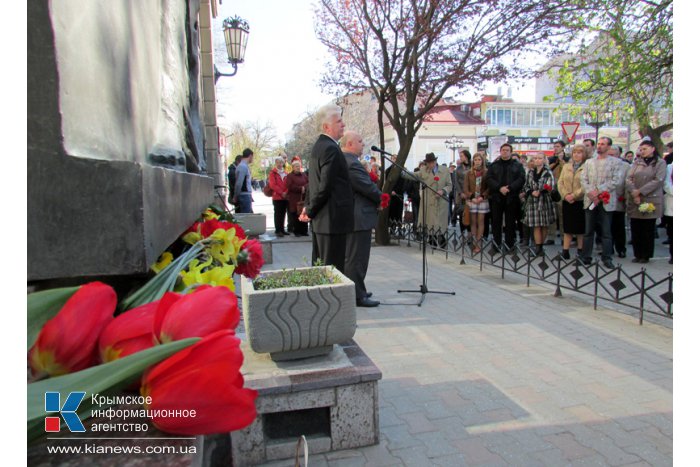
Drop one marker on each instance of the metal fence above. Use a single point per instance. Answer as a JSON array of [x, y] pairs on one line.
[[638, 291]]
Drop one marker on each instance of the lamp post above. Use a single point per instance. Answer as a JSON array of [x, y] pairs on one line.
[[454, 144], [236, 31], [593, 119]]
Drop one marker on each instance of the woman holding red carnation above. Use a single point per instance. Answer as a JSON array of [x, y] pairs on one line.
[[644, 184], [539, 206]]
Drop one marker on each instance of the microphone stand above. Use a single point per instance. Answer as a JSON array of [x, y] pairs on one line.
[[423, 287]]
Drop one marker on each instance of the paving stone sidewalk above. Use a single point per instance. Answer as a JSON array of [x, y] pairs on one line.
[[503, 374]]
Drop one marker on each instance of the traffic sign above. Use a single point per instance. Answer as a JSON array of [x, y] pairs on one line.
[[569, 129]]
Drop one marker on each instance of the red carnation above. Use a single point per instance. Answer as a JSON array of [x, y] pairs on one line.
[[385, 200], [437, 179], [373, 177], [547, 187], [250, 259], [604, 197]]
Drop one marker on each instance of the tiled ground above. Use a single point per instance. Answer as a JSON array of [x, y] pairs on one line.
[[503, 374]]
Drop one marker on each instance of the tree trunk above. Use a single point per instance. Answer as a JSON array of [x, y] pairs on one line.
[[655, 135], [381, 232]]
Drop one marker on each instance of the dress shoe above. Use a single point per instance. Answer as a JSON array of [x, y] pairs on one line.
[[608, 264], [585, 261], [563, 255], [368, 303], [622, 255], [369, 294], [285, 233], [549, 242], [643, 261], [636, 260]]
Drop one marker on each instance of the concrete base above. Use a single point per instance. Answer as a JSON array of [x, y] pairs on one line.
[[267, 250], [254, 224], [332, 400]]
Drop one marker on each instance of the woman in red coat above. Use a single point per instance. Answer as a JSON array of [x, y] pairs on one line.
[[279, 195], [296, 188]]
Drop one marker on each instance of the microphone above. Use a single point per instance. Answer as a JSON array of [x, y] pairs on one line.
[[376, 149]]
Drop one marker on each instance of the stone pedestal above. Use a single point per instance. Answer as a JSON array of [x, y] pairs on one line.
[[331, 400], [254, 224]]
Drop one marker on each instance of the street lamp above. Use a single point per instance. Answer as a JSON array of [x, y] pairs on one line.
[[454, 144], [597, 120], [236, 31]]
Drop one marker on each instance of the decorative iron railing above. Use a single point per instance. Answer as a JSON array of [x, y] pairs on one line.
[[638, 291]]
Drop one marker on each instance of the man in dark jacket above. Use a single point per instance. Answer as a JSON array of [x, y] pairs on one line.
[[367, 198], [329, 199], [505, 179]]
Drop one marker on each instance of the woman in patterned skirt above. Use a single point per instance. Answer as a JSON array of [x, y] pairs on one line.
[[476, 193], [539, 207]]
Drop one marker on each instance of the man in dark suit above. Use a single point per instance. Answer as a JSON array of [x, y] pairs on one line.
[[329, 199], [367, 199]]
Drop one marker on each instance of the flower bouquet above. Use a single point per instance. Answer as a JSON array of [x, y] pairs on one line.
[[647, 208], [173, 339]]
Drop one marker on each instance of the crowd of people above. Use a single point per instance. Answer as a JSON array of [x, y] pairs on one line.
[[587, 197]]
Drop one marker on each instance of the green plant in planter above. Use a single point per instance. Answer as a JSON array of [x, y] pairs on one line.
[[307, 277]]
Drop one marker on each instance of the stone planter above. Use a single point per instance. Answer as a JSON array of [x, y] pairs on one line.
[[299, 322], [254, 224]]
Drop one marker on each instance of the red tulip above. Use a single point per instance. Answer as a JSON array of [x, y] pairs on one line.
[[206, 310], [68, 341], [250, 259], [128, 333], [547, 187], [204, 378], [437, 179]]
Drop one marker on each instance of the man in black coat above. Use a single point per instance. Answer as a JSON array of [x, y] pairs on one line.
[[367, 198], [505, 179], [329, 197]]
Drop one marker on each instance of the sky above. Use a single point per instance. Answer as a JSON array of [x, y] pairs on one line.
[[278, 82]]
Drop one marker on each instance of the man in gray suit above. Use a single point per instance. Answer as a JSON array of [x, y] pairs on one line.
[[367, 198]]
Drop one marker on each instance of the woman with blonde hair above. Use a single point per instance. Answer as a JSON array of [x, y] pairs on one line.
[[572, 193], [539, 206], [476, 193]]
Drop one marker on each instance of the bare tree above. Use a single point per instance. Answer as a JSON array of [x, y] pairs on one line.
[[409, 53], [260, 137]]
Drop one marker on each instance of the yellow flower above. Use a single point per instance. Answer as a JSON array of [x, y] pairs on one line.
[[225, 245], [163, 261], [219, 275], [209, 214], [191, 237], [647, 207]]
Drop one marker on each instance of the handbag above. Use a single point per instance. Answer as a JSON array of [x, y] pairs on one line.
[[556, 196], [466, 215], [267, 190]]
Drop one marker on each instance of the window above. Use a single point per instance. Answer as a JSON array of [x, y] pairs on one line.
[[546, 117]]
